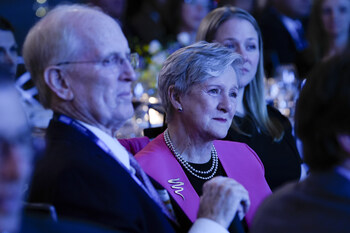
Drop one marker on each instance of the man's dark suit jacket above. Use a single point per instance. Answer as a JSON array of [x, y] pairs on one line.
[[279, 46], [37, 224], [318, 204], [83, 182]]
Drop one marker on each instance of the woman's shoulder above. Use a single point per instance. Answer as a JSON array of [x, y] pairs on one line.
[[155, 149], [229, 144], [276, 115], [240, 149]]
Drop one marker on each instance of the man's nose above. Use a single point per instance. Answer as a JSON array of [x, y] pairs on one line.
[[129, 73]]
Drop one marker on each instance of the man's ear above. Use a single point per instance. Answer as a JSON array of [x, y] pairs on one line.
[[174, 98], [58, 83], [344, 142]]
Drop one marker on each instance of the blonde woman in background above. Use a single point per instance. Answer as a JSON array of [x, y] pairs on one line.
[[262, 127]]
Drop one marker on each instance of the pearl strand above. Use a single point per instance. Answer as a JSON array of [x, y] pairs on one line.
[[187, 166]]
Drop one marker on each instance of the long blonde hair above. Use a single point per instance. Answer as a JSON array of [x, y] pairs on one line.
[[254, 96]]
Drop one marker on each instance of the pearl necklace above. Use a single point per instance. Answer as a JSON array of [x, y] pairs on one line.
[[187, 166]]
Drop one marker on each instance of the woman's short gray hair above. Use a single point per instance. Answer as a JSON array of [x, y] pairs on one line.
[[191, 65]]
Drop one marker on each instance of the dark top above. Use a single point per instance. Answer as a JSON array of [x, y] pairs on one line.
[[281, 159], [236, 226], [36, 224], [281, 49], [320, 203]]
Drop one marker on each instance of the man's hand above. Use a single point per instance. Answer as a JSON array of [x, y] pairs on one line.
[[222, 198]]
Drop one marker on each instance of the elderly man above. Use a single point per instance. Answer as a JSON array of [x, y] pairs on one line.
[[80, 62], [321, 202], [15, 155]]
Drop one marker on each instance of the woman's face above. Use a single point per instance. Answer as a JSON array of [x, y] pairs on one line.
[[208, 107], [240, 35], [192, 13], [335, 15]]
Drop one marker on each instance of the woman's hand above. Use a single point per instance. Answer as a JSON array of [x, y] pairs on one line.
[[222, 198]]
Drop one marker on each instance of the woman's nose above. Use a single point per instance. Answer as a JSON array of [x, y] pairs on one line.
[[225, 104]]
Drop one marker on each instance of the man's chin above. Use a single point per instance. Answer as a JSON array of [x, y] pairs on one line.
[[124, 114]]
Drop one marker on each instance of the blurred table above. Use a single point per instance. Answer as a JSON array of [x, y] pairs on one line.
[[282, 90], [148, 113]]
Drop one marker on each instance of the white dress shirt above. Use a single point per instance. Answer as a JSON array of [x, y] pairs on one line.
[[119, 153]]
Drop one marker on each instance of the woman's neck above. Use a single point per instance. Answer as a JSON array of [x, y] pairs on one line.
[[336, 45], [189, 145]]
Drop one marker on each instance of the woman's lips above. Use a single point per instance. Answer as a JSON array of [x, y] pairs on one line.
[[223, 120]]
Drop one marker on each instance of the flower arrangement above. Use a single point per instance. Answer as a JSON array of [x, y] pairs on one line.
[[152, 57]]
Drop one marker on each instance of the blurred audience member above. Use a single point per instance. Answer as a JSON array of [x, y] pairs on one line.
[[37, 116], [149, 23], [329, 30], [81, 63], [198, 88], [321, 202], [114, 8], [8, 48], [282, 25], [262, 127], [247, 5], [15, 155], [185, 17]]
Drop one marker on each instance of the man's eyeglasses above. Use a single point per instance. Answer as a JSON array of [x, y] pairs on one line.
[[113, 60]]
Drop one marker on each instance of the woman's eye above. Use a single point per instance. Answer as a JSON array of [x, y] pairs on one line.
[[230, 46], [251, 47], [214, 91], [233, 94]]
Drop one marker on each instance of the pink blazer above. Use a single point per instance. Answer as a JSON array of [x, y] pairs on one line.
[[239, 161]]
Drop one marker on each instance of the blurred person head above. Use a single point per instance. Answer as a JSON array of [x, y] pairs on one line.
[[15, 155], [247, 5], [114, 8], [8, 48], [293, 8], [335, 15], [197, 83], [238, 30], [323, 112], [192, 13], [186, 15], [329, 20], [80, 62]]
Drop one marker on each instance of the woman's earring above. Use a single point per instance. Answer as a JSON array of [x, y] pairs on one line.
[[179, 109]]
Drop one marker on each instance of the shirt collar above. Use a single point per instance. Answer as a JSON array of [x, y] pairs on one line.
[[118, 151]]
